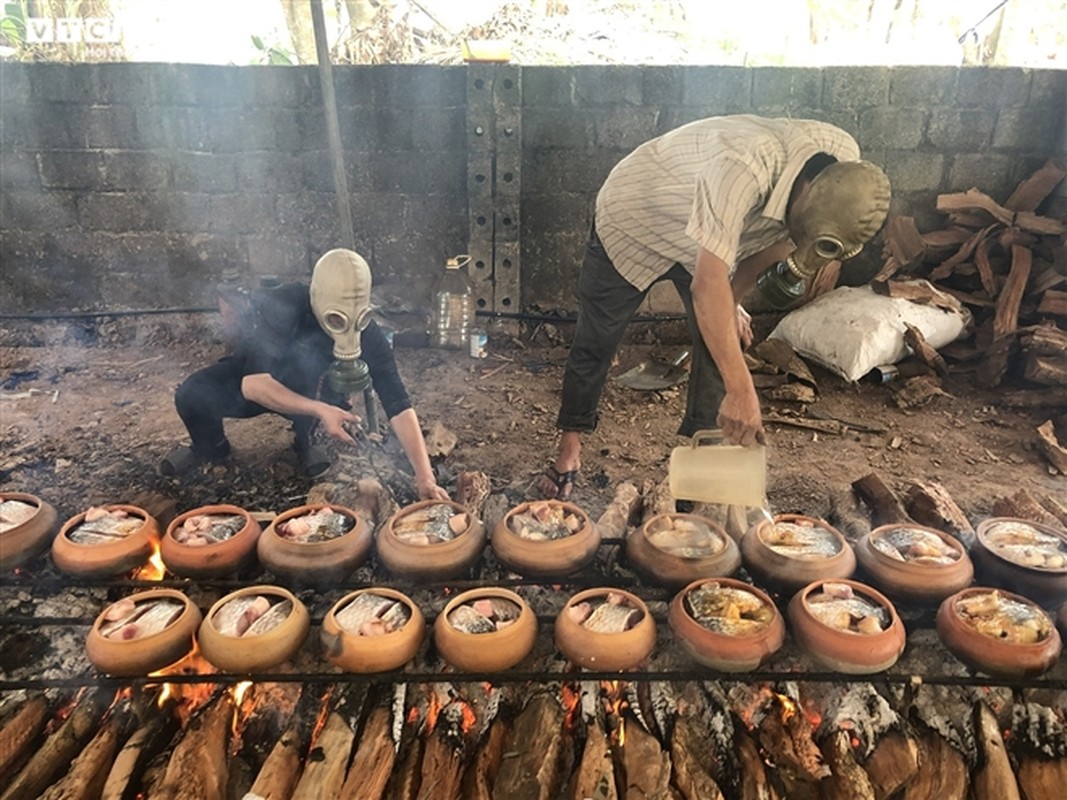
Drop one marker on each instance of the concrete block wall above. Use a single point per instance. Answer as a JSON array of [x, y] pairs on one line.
[[136, 185]]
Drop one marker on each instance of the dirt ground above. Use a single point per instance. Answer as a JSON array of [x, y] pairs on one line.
[[87, 413]]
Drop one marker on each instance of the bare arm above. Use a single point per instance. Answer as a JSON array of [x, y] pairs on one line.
[[715, 309], [409, 433], [263, 389]]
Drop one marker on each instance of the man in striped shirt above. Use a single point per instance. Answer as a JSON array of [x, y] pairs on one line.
[[705, 206]]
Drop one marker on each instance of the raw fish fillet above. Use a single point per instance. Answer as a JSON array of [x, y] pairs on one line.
[[612, 618], [363, 609], [150, 617], [466, 619], [14, 513], [275, 616]]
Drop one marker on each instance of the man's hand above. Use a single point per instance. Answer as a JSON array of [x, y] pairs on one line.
[[333, 421], [740, 419], [744, 326], [429, 490]]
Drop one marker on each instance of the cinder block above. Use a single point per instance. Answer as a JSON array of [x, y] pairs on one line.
[[414, 86], [266, 172], [960, 130], [273, 254], [37, 211], [353, 85], [1048, 88], [242, 213], [206, 255], [624, 128], [662, 86], [855, 87], [573, 129], [135, 170], [993, 87], [279, 86], [548, 87], [121, 211], [608, 86], [439, 129], [172, 127], [42, 126], [1031, 128], [61, 83], [565, 211], [237, 130], [776, 89], [111, 127], [922, 86], [911, 172], [718, 90], [895, 128], [71, 169], [987, 172], [128, 84], [18, 170], [204, 172], [185, 211], [198, 85], [14, 82], [585, 172]]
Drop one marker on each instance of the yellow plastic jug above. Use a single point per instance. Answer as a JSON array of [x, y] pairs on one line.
[[710, 471]]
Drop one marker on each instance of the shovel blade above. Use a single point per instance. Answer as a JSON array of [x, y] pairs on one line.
[[650, 376]]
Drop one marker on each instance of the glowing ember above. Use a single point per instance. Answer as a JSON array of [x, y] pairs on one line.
[[614, 704], [187, 697], [570, 699], [320, 721], [470, 719]]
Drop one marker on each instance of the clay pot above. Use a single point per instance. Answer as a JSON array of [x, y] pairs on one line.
[[676, 571], [24, 541], [910, 581], [430, 562], [993, 655], [724, 651], [106, 559], [145, 654], [1042, 585], [485, 652], [315, 563], [1061, 621], [354, 653], [250, 653], [606, 651], [842, 650], [210, 560], [546, 558], [772, 568]]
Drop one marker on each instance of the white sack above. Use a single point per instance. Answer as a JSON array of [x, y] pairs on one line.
[[852, 330]]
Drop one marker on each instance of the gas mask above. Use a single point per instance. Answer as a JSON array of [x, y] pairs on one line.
[[841, 209], [340, 300]]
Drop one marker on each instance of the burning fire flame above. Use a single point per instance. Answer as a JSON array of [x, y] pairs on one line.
[[571, 700], [153, 570], [320, 721], [614, 705], [186, 697]]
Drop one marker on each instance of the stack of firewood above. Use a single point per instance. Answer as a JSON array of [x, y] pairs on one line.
[[1008, 264]]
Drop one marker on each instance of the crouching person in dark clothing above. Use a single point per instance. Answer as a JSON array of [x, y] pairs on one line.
[[285, 339]]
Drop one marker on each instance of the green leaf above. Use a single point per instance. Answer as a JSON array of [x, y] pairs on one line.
[[257, 42]]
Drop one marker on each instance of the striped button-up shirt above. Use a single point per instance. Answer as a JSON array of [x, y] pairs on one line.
[[721, 183]]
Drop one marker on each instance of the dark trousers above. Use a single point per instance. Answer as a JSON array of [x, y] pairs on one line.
[[213, 394], [607, 304]]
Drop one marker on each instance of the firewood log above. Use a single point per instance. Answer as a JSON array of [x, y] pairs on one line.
[[20, 734], [846, 514], [1053, 302], [913, 338], [893, 764], [472, 490], [1046, 370], [534, 771], [942, 771], [646, 767], [656, 499], [441, 770], [595, 776], [847, 779], [198, 767], [930, 504], [58, 750], [755, 782], [993, 780], [484, 767], [278, 776], [1040, 744], [1029, 194], [1024, 505], [615, 520], [691, 777], [885, 506], [1008, 300], [88, 773], [324, 771]]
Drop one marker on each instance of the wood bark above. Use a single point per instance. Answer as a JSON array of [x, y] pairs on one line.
[[130, 763], [198, 768], [472, 490], [894, 762], [885, 506], [846, 513], [692, 778], [1029, 194], [20, 734], [993, 780], [1053, 302], [324, 770], [1006, 319], [373, 762], [657, 499], [942, 771], [595, 775], [278, 776], [847, 779], [405, 782], [442, 766], [481, 774], [615, 520], [755, 783], [646, 767], [1040, 778], [1023, 505], [914, 339], [87, 774], [1046, 370], [930, 504], [57, 751], [533, 772]]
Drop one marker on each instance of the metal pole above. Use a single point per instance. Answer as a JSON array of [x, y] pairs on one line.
[[333, 127]]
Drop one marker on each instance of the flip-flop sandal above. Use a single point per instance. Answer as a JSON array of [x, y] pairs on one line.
[[562, 481]]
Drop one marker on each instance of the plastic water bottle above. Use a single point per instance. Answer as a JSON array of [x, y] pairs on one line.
[[453, 306]]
